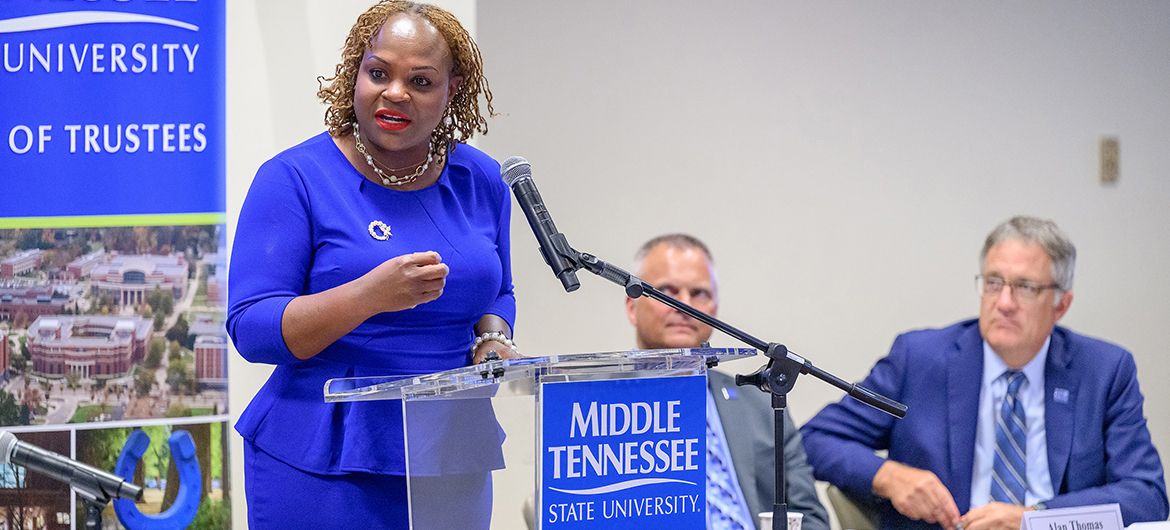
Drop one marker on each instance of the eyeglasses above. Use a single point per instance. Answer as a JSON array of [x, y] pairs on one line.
[[1022, 291]]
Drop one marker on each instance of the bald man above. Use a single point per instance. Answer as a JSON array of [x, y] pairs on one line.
[[681, 266]]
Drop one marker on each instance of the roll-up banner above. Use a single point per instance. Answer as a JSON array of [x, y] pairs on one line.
[[112, 260]]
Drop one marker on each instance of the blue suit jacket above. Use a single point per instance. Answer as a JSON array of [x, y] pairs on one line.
[[1099, 448]]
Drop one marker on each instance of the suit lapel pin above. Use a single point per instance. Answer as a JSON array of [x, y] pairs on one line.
[[1060, 395]]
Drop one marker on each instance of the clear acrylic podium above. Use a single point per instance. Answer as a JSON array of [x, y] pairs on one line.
[[471, 434]]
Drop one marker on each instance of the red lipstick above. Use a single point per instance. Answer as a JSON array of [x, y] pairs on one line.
[[391, 120]]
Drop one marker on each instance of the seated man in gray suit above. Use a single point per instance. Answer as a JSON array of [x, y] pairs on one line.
[[681, 266]]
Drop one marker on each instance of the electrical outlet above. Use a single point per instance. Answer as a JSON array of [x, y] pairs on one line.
[[1110, 159]]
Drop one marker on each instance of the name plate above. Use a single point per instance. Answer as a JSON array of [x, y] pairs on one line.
[[1098, 517]]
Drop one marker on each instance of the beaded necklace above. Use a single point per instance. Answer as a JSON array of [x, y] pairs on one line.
[[391, 180]]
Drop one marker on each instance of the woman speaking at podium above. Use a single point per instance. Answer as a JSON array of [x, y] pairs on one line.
[[377, 248]]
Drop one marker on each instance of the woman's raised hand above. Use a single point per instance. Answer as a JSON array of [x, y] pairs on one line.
[[407, 281]]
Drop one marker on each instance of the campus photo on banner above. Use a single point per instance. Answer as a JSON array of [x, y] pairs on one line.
[[113, 258]]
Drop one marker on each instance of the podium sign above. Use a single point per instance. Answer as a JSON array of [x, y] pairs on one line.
[[624, 453]]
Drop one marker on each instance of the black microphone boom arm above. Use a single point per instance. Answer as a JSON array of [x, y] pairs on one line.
[[781, 381], [777, 377]]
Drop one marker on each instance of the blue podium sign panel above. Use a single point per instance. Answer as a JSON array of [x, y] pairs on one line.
[[624, 453]]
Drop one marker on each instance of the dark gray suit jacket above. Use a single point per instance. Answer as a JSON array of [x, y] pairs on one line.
[[748, 423]]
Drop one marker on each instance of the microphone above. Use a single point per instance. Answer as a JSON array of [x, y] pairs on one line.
[[89, 481], [553, 246]]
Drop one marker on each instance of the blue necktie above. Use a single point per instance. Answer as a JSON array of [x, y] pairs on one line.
[[1009, 479], [726, 507]]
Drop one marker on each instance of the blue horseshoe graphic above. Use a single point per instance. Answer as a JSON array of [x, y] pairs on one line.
[[182, 512]]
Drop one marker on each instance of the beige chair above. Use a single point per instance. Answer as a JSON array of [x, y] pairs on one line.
[[851, 515]]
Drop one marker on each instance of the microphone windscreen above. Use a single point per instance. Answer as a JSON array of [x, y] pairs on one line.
[[7, 442], [514, 168]]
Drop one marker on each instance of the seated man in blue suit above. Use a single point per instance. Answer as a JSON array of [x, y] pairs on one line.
[[1007, 413], [681, 266]]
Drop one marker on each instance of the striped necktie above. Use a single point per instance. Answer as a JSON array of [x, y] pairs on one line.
[[1009, 479], [726, 507]]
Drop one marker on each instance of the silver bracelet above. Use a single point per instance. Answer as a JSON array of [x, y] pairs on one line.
[[496, 336]]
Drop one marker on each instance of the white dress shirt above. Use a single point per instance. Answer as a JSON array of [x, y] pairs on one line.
[[991, 395]]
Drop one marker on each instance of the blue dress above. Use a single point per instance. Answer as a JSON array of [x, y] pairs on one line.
[[305, 228]]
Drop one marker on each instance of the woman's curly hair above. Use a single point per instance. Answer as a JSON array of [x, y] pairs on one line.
[[461, 119]]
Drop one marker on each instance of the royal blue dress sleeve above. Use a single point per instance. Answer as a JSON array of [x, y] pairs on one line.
[[271, 256]]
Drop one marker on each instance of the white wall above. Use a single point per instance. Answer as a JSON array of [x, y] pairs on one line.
[[844, 160]]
